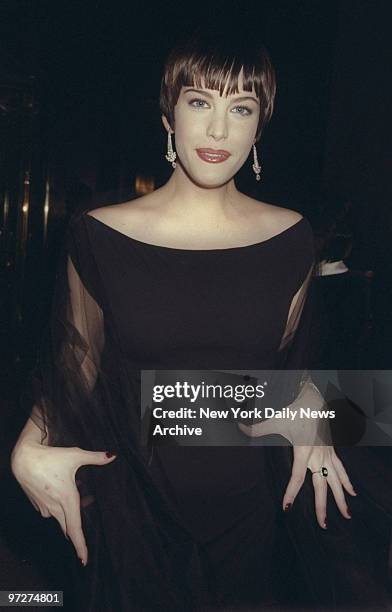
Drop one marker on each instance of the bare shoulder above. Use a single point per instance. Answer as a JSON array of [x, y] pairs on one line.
[[274, 218], [126, 215]]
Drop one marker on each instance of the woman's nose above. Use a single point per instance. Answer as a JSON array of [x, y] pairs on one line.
[[217, 127]]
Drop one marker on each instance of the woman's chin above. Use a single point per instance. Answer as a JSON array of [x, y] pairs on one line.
[[208, 176], [210, 180]]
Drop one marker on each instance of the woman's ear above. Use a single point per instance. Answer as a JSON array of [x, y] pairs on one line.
[[166, 124]]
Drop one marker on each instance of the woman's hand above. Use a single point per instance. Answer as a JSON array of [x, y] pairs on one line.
[[47, 476], [309, 438], [314, 458]]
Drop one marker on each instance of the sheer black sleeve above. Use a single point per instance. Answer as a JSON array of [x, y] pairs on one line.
[[69, 359]]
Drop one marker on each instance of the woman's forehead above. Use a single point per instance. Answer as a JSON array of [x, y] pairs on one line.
[[224, 86]]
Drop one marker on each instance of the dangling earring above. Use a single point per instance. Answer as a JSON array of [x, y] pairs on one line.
[[170, 155], [256, 166]]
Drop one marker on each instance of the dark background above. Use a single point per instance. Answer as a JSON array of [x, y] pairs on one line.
[[97, 68], [79, 86]]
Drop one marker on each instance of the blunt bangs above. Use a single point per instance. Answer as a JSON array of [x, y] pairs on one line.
[[205, 63]]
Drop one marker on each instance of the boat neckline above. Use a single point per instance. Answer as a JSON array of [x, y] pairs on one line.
[[179, 250]]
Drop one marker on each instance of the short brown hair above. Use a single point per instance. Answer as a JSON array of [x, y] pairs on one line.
[[218, 60]]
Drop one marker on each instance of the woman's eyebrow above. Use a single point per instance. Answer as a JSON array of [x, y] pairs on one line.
[[208, 95]]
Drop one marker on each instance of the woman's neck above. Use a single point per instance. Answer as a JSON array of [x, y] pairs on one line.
[[183, 197]]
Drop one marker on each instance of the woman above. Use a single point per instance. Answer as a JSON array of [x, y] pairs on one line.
[[194, 276]]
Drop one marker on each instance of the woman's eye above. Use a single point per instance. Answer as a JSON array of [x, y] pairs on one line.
[[242, 110], [239, 110], [197, 103]]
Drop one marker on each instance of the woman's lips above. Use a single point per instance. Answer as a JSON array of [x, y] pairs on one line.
[[213, 156]]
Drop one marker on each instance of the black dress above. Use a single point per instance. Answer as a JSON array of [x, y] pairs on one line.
[[191, 528]]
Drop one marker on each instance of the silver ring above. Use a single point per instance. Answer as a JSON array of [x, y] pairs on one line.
[[323, 471]]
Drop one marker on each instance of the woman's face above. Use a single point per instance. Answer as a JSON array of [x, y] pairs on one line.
[[213, 133]]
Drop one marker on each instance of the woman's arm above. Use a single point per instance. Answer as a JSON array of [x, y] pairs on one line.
[[310, 438], [47, 454]]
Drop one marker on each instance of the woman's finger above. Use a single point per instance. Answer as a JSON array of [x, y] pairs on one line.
[[85, 457], [342, 474], [296, 481], [336, 487], [44, 512], [320, 498], [74, 526], [59, 515]]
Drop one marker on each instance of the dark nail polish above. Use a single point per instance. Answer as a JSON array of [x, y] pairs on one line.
[[349, 513], [325, 523], [82, 562], [287, 507], [108, 455]]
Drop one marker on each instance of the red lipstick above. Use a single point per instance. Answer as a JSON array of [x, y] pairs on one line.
[[213, 156]]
